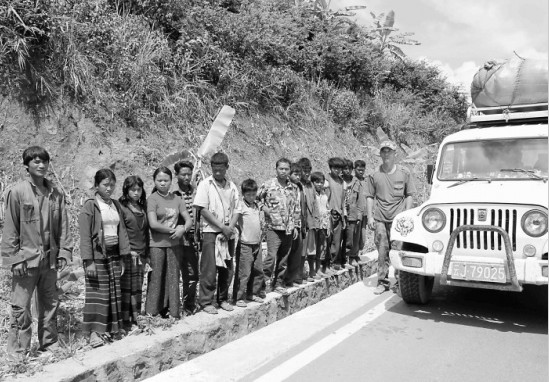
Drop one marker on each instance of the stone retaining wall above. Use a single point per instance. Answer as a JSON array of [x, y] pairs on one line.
[[142, 356]]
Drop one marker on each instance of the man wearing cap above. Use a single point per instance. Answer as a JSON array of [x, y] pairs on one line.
[[392, 187]]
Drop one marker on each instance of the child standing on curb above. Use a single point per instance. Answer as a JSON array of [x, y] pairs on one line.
[[133, 203], [296, 259], [249, 259], [335, 190], [316, 245]]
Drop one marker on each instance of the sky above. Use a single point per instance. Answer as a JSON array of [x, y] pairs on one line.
[[460, 35]]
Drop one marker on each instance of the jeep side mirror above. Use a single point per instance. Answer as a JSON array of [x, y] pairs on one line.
[[429, 173]]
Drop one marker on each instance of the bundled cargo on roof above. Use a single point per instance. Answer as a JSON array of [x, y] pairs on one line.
[[512, 82]]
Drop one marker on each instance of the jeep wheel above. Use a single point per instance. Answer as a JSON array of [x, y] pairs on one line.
[[415, 289]]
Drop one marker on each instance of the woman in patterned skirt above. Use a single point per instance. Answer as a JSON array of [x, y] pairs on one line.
[[133, 202], [103, 244]]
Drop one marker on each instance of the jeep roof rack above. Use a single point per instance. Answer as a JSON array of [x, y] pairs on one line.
[[515, 114]]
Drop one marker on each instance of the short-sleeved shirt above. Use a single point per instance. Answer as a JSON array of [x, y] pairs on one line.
[[390, 192], [222, 202], [321, 199], [167, 209], [250, 223], [355, 201], [310, 204], [335, 190]]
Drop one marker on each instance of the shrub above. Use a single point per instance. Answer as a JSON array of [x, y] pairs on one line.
[[172, 62], [345, 106]]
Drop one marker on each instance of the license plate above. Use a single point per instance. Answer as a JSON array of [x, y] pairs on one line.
[[492, 273]]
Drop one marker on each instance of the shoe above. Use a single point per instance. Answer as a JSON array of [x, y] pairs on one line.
[[226, 306], [349, 266], [380, 289], [262, 294], [241, 304], [189, 311], [354, 263], [119, 335], [310, 279], [135, 329], [395, 288], [337, 267], [49, 351], [281, 290], [96, 340], [257, 299], [210, 309]]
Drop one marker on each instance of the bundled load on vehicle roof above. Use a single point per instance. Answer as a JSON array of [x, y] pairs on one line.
[[513, 82]]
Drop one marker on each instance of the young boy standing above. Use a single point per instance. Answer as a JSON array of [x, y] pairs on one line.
[[217, 200], [189, 264], [356, 209], [336, 201], [318, 233], [36, 241], [311, 211], [296, 260], [249, 261], [360, 170]]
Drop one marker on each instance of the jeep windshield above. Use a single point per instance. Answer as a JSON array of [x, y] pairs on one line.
[[494, 160]]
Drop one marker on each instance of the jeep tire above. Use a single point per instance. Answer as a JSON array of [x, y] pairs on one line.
[[415, 289]]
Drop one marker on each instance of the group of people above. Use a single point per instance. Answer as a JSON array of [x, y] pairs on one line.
[[204, 234]]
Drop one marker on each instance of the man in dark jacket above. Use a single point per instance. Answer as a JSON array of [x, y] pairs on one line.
[[36, 240]]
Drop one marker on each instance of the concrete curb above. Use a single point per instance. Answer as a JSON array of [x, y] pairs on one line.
[[142, 356]]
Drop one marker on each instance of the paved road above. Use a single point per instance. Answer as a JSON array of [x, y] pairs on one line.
[[462, 335]]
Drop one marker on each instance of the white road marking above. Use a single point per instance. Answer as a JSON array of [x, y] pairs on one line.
[[291, 366]]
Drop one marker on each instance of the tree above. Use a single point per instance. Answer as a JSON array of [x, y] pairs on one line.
[[387, 43], [321, 8]]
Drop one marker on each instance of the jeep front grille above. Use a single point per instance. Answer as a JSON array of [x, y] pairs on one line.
[[506, 219]]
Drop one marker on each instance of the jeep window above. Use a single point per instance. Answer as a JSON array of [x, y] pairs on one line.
[[486, 159]]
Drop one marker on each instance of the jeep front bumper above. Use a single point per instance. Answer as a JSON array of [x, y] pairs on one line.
[[518, 271]]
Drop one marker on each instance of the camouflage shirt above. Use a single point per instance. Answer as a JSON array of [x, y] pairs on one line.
[[283, 202]]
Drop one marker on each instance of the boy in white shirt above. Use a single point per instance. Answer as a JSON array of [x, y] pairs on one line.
[[249, 262]]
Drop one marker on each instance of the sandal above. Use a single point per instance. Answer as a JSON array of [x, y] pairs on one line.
[[96, 340], [257, 299]]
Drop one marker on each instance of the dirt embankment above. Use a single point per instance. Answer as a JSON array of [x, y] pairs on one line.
[[80, 145]]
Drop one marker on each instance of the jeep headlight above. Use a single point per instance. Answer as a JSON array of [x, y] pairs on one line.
[[433, 220], [534, 223]]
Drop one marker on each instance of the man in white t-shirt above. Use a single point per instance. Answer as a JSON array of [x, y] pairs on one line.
[[217, 200]]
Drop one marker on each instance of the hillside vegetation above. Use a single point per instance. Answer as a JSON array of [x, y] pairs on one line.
[[151, 64]]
